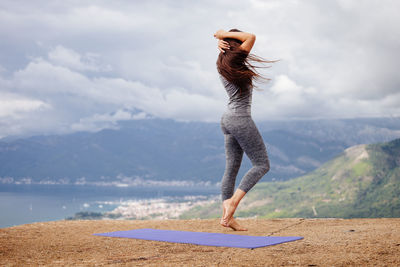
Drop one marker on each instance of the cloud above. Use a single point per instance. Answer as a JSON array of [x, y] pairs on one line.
[[288, 99], [72, 101], [13, 105], [82, 65], [101, 121], [71, 59]]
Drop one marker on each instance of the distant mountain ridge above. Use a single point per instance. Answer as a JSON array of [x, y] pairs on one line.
[[167, 150], [364, 181]]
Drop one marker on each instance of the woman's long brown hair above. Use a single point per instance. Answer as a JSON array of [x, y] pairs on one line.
[[234, 65]]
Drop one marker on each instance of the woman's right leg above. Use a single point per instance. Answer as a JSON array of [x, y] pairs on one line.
[[250, 140], [253, 145]]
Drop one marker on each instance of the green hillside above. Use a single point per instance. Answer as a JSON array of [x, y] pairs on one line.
[[364, 181]]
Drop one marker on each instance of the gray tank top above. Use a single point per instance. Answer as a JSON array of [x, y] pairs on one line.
[[238, 104]]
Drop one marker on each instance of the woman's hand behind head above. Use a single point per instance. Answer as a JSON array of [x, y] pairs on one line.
[[223, 45]]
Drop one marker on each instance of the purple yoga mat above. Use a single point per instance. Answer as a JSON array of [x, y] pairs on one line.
[[203, 238]]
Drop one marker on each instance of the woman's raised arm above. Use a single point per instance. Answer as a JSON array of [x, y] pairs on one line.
[[248, 39]]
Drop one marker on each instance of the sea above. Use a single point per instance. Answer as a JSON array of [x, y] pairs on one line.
[[29, 203]]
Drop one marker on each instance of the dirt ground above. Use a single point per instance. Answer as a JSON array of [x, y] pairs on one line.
[[327, 242]]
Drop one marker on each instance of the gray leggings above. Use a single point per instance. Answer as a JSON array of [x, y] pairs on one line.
[[241, 134]]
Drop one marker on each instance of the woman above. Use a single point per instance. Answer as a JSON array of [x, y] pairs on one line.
[[240, 132]]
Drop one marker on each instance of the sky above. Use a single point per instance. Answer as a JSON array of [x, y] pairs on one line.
[[77, 65]]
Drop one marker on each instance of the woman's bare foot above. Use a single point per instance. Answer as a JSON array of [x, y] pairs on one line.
[[229, 209], [223, 214], [234, 225]]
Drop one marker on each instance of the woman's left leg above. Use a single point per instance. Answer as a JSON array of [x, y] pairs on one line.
[[234, 155]]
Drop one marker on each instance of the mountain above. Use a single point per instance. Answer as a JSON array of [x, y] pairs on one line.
[[364, 181], [167, 150]]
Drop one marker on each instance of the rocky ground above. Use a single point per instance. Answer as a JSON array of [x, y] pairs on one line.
[[327, 242]]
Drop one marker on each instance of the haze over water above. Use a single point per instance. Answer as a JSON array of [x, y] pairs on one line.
[[21, 204]]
